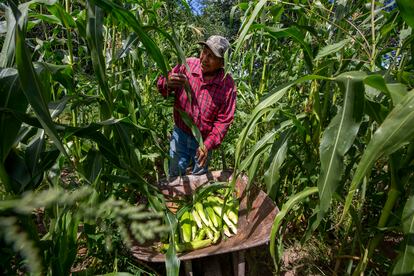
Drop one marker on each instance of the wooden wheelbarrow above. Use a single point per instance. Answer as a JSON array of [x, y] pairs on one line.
[[253, 229]]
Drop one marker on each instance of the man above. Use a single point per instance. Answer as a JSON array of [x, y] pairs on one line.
[[211, 107]]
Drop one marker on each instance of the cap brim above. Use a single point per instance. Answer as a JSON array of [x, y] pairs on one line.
[[216, 53]]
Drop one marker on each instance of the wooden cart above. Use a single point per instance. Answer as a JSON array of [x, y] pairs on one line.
[[254, 225]]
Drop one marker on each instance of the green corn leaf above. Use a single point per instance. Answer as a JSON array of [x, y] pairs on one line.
[[8, 49], [262, 108], [251, 124], [194, 129], [93, 165], [278, 155], [131, 21], [246, 27], [339, 137], [395, 132], [396, 91], [11, 97], [406, 8], [172, 263], [333, 48], [94, 36], [65, 18], [261, 146], [253, 169], [293, 200], [404, 264], [32, 87], [292, 32]]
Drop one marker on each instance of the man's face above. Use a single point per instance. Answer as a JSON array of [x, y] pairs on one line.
[[209, 62]]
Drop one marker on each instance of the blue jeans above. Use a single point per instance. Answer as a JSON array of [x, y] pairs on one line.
[[183, 151]]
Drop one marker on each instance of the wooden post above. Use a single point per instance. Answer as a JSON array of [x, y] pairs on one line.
[[239, 263], [188, 267]]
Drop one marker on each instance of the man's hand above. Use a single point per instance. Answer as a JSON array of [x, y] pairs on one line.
[[177, 80], [201, 155]]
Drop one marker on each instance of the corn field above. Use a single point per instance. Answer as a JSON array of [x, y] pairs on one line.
[[324, 124]]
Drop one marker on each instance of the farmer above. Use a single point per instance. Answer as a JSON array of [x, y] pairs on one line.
[[211, 106]]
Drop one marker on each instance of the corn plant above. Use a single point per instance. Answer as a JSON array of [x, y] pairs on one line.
[[329, 106], [77, 97]]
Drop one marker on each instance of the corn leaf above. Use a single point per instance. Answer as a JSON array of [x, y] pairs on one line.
[[405, 264], [333, 48], [32, 87], [246, 27], [339, 137], [11, 97], [293, 200], [133, 22], [65, 18], [278, 155], [395, 132], [295, 34], [406, 8], [8, 49], [194, 129], [172, 263], [262, 108], [94, 36]]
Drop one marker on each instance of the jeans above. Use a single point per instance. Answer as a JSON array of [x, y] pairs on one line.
[[183, 149]]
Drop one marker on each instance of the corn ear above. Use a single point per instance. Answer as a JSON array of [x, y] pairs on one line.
[[209, 233], [200, 210], [216, 237], [197, 219], [189, 246], [230, 224], [226, 231], [213, 217], [185, 224], [201, 234], [232, 212]]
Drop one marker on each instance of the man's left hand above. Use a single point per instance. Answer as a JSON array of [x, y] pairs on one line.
[[201, 155]]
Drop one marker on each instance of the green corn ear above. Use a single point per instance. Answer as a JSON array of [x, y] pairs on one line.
[[200, 210], [213, 217], [216, 237], [189, 246], [226, 231], [185, 224], [201, 234], [209, 233], [230, 224], [193, 227], [197, 219], [233, 211]]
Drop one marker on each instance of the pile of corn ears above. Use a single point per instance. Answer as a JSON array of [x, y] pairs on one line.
[[203, 222]]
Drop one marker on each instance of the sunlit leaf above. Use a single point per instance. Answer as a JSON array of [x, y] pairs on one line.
[[32, 87], [406, 8], [293, 200], [405, 264], [395, 132], [330, 49], [338, 137]]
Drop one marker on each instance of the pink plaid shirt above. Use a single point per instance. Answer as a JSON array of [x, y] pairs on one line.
[[212, 106]]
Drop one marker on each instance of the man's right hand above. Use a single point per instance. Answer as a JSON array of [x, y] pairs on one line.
[[177, 80]]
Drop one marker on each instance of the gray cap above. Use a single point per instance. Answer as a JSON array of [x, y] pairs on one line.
[[217, 44]]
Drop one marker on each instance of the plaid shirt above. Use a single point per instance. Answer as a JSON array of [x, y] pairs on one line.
[[212, 106]]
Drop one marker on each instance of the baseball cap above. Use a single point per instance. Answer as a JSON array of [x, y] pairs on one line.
[[217, 44]]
